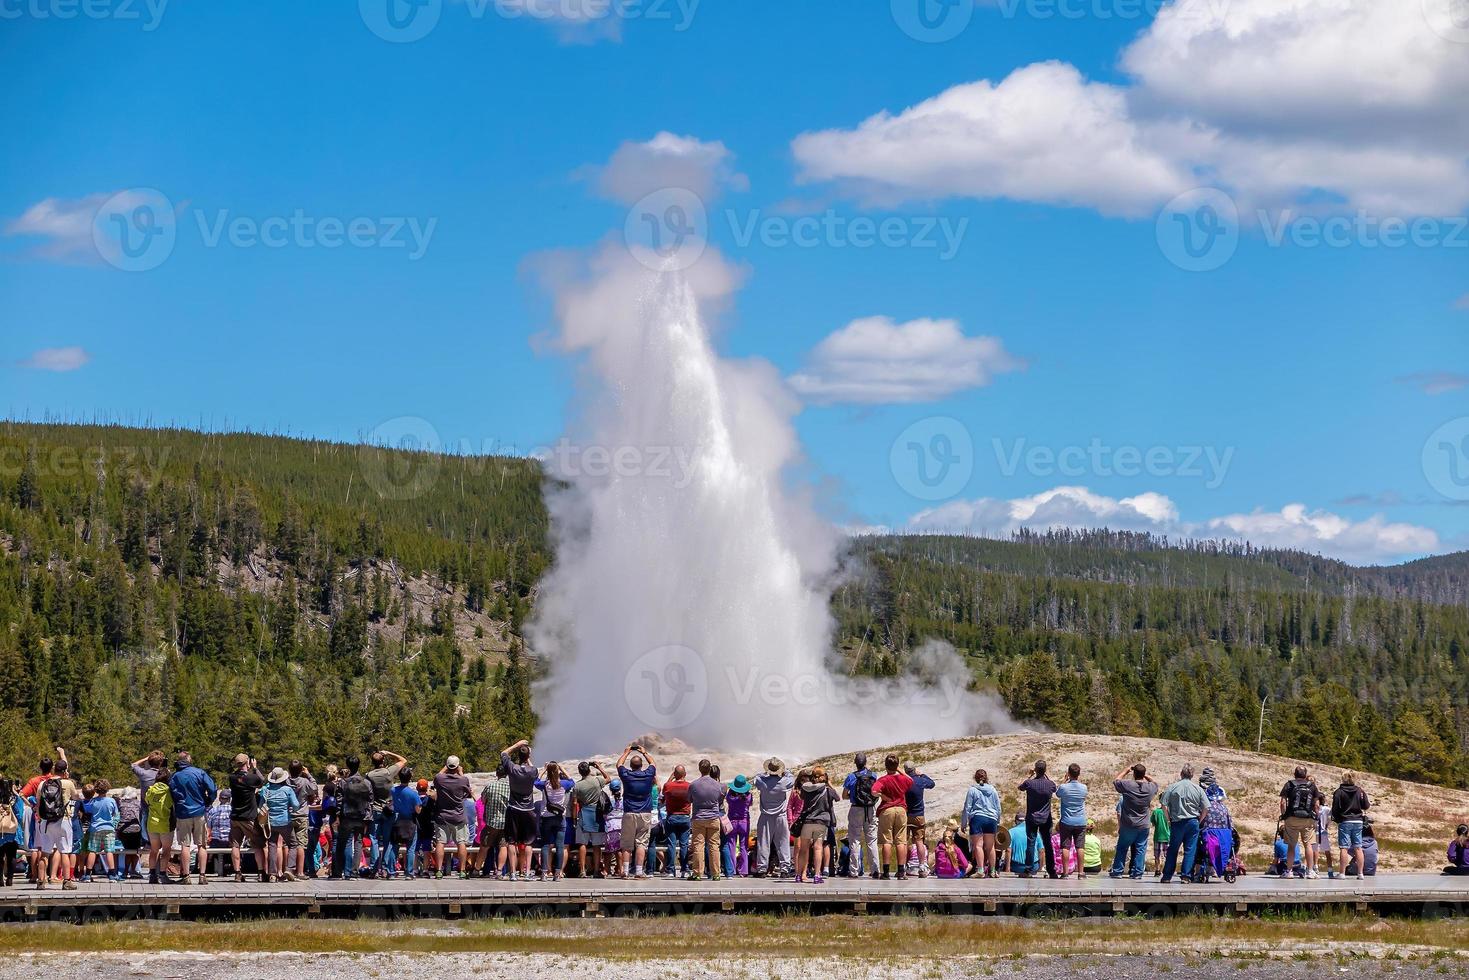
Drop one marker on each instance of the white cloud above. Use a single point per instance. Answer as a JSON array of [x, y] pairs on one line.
[[575, 21], [1043, 134], [665, 161], [1342, 103], [1436, 382], [57, 359], [1372, 540], [63, 224], [875, 360]]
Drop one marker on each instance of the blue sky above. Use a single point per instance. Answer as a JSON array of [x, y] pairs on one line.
[[1319, 373]]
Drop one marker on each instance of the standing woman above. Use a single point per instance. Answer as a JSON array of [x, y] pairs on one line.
[[817, 816], [159, 806], [12, 829], [554, 786], [737, 808], [982, 819]]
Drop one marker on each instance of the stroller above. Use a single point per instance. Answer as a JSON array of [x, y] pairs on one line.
[[1203, 870]]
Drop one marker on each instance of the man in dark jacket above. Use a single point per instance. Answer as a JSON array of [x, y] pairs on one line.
[[1348, 807]]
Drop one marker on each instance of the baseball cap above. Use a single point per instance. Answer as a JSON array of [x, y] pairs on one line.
[[452, 763]]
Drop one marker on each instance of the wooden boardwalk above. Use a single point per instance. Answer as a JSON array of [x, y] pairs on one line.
[[1415, 894]]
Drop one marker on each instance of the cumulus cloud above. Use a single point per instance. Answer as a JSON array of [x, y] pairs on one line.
[[874, 360], [636, 170], [1373, 540], [57, 359], [1281, 104], [63, 225], [1436, 382], [574, 21]]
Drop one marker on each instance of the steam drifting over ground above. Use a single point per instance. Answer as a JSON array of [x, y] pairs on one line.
[[690, 592]]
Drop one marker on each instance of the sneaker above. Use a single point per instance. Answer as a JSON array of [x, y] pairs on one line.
[[1359, 876], [886, 876], [1331, 875], [69, 885], [203, 879], [239, 878], [818, 880]]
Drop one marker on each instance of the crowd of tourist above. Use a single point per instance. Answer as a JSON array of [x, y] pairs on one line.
[[530, 821]]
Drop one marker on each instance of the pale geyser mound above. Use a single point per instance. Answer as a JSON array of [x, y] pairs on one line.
[[690, 590]]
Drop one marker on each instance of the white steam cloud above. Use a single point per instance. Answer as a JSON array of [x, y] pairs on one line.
[[691, 585]]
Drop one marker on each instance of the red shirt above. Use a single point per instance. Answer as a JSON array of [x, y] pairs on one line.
[[892, 790], [676, 798]]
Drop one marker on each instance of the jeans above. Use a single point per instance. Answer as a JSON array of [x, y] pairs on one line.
[[1032, 828], [383, 857], [410, 855], [678, 829], [1132, 847], [349, 846], [1185, 834], [862, 839], [553, 844]]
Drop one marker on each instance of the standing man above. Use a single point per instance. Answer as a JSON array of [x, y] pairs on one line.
[[1349, 806], [706, 797], [383, 776], [639, 776], [245, 783], [146, 770], [591, 834], [773, 828], [861, 818], [1038, 790], [1299, 802], [1072, 798], [55, 796], [354, 801], [892, 816], [308, 794], [1184, 802], [917, 817], [450, 789], [495, 798], [520, 809], [193, 790]]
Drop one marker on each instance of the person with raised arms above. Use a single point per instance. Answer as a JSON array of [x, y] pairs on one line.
[[638, 775]]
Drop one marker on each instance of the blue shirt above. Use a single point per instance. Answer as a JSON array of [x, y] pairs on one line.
[[280, 800], [104, 813], [192, 791], [637, 788], [1073, 803], [914, 796], [406, 801]]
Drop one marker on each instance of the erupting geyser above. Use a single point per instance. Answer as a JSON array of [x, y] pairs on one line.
[[691, 585]]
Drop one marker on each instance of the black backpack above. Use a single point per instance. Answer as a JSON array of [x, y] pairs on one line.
[[50, 801], [862, 794], [1302, 801], [356, 797]]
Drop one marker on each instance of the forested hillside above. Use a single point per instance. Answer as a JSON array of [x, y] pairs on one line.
[[1115, 634], [177, 589], [294, 597]]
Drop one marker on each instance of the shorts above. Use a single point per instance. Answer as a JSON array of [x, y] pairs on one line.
[[586, 821], [132, 840], [451, 833], [983, 825], [403, 833], [814, 833], [246, 833], [1349, 834], [1298, 830], [102, 841], [637, 828], [593, 838], [614, 841], [520, 827], [281, 833], [192, 832], [915, 827], [301, 831], [1071, 835], [892, 825], [53, 835]]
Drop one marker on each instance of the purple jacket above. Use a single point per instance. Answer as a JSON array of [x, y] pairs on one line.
[[1458, 854]]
